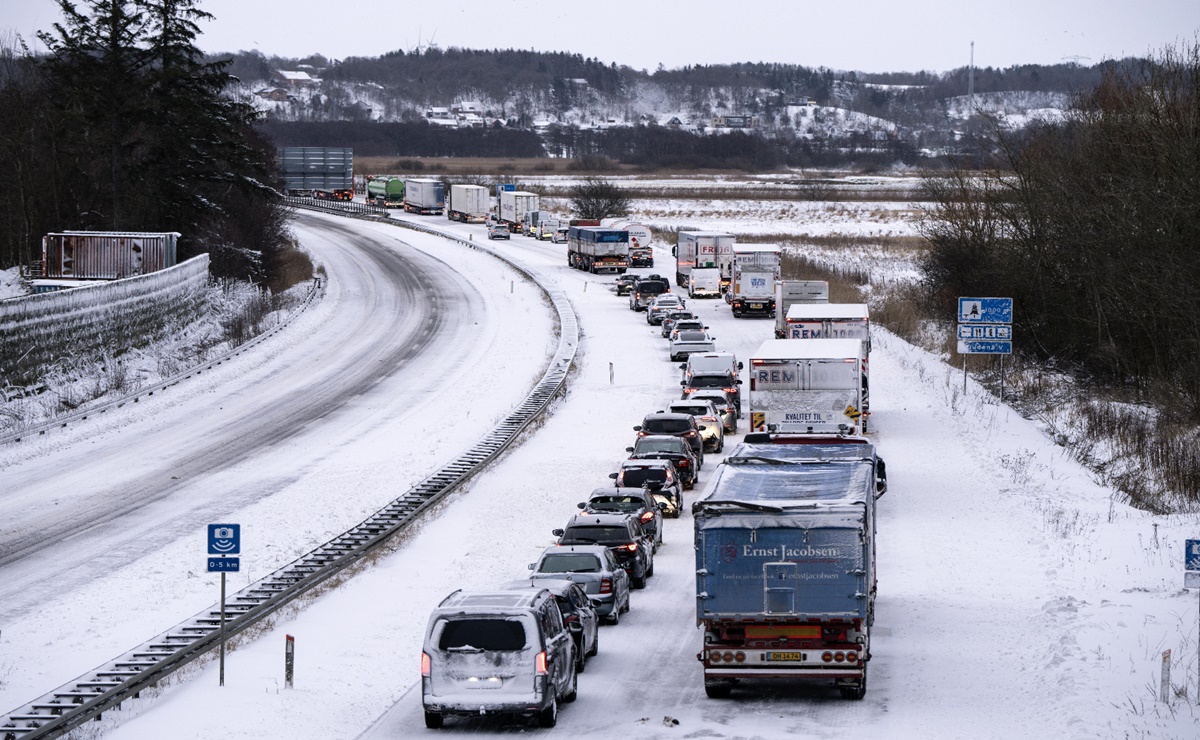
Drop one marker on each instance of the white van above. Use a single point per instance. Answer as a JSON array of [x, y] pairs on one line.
[[711, 362]]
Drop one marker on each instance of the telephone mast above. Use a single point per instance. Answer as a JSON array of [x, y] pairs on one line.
[[971, 84]]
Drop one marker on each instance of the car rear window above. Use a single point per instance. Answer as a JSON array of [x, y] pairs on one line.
[[637, 477], [596, 534], [711, 381], [483, 634], [651, 286], [667, 426], [616, 503], [674, 444], [692, 336], [570, 563]]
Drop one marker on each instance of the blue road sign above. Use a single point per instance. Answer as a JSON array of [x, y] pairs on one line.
[[985, 331], [224, 539], [224, 565], [985, 310], [505, 187], [1191, 557], [984, 347]]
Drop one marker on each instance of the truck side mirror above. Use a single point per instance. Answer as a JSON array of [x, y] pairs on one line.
[[581, 504], [638, 428], [612, 475], [683, 382], [629, 449], [740, 366], [557, 532]]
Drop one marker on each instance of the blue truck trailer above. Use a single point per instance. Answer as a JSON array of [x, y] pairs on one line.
[[785, 562]]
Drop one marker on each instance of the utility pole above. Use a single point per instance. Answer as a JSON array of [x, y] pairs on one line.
[[971, 84]]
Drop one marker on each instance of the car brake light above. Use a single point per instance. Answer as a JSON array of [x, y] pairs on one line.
[[691, 433], [631, 547], [730, 390], [647, 516], [606, 585], [424, 664], [684, 463], [541, 663]]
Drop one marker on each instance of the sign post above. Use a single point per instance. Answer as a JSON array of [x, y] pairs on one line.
[[224, 540], [1191, 579], [985, 328]]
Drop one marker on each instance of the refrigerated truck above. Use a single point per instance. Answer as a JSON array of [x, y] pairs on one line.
[[755, 270], [703, 249], [829, 321], [514, 206], [424, 196], [790, 292], [806, 387], [468, 203]]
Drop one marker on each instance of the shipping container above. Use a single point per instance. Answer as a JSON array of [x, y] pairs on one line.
[[105, 255], [317, 170]]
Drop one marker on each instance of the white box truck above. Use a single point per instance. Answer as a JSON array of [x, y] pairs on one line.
[[424, 196], [814, 386], [790, 292], [514, 206], [468, 204], [755, 270], [705, 250]]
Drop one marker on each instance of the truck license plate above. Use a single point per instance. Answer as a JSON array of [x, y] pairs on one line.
[[785, 656], [755, 305]]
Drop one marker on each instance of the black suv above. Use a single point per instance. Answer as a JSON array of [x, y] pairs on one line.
[[622, 534], [656, 476], [637, 501], [724, 382], [647, 289], [673, 449], [675, 425], [625, 283]]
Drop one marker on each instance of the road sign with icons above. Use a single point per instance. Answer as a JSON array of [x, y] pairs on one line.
[[224, 539], [985, 310]]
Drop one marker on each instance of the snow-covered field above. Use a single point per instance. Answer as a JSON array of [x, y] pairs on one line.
[[1017, 598]]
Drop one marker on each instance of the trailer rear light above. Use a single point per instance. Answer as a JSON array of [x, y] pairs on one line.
[[606, 585], [540, 664], [727, 656], [740, 657], [851, 657], [425, 664], [715, 656], [827, 656], [839, 657]]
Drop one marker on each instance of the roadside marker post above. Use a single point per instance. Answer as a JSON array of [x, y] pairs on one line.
[[289, 657]]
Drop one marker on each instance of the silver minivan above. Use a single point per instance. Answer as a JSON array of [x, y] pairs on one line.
[[497, 652]]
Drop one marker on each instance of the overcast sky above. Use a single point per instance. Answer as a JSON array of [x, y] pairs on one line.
[[867, 35]]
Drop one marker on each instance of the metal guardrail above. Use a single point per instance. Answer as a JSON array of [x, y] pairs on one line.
[[59, 422], [106, 687]]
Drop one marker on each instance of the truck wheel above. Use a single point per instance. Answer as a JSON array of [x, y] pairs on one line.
[[434, 720], [718, 689], [857, 690]]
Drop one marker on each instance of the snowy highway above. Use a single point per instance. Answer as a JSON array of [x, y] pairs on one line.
[[1016, 599]]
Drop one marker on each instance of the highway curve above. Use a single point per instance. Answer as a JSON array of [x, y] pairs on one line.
[[80, 503]]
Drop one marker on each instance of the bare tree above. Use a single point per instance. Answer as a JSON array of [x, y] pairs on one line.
[[596, 198]]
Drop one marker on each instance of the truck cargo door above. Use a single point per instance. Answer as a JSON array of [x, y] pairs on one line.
[[779, 586]]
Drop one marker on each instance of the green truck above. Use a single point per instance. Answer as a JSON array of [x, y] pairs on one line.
[[385, 190]]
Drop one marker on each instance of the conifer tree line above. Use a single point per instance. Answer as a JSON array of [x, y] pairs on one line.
[[1093, 227], [122, 125]]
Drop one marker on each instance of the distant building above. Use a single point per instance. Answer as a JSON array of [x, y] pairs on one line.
[[293, 78]]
